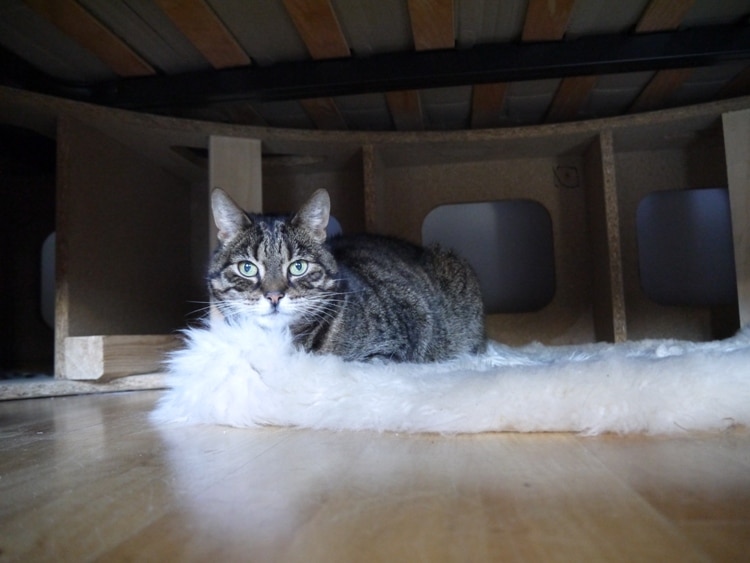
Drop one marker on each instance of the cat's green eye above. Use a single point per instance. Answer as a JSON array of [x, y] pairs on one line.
[[298, 267], [247, 269]]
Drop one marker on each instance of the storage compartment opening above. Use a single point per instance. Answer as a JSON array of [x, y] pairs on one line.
[[508, 243], [692, 165], [685, 247], [27, 212]]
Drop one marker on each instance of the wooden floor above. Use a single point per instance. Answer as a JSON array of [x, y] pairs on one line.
[[90, 478]]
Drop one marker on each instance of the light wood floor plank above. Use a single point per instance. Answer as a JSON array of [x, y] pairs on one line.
[[89, 477]]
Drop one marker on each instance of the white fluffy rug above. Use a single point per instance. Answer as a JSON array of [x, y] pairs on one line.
[[241, 375]]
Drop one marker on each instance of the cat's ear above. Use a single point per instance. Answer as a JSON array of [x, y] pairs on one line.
[[314, 214], [228, 216]]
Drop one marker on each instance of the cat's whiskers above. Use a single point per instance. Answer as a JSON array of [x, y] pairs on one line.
[[318, 311]]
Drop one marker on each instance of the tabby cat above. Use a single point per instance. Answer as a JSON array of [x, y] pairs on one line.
[[360, 297]]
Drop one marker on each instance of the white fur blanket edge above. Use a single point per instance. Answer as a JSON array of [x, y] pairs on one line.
[[242, 375]]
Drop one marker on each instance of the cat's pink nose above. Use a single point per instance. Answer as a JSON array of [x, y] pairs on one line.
[[274, 297]]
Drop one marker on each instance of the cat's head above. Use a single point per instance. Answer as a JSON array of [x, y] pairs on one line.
[[275, 269]]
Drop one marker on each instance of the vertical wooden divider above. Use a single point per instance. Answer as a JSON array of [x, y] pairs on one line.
[[123, 269], [235, 165], [610, 321], [737, 150]]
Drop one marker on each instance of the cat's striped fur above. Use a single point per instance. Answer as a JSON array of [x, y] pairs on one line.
[[360, 297]]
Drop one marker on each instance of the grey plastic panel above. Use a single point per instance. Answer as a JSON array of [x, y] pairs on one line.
[[685, 248], [508, 243]]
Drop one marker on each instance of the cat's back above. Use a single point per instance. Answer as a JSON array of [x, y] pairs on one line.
[[428, 298], [374, 253], [395, 262]]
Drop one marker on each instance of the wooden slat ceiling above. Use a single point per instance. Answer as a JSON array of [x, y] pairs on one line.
[[87, 43], [199, 23], [76, 22]]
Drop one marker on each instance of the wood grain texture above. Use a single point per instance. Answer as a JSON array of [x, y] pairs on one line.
[[83, 28], [406, 110], [319, 28], [416, 172], [90, 478], [608, 299], [570, 97], [737, 147], [236, 166], [123, 232], [661, 15], [487, 101], [108, 357], [737, 86], [432, 27], [612, 218], [325, 113], [547, 20], [657, 92], [200, 24], [432, 24]]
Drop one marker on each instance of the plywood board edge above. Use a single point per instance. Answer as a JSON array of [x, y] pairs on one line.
[[603, 215], [103, 358], [736, 126]]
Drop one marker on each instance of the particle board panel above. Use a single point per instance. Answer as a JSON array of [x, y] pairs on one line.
[[411, 192], [235, 166], [610, 319], [663, 14], [123, 232], [286, 188], [547, 21], [432, 24], [737, 147], [200, 24], [104, 358], [697, 163], [405, 174]]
